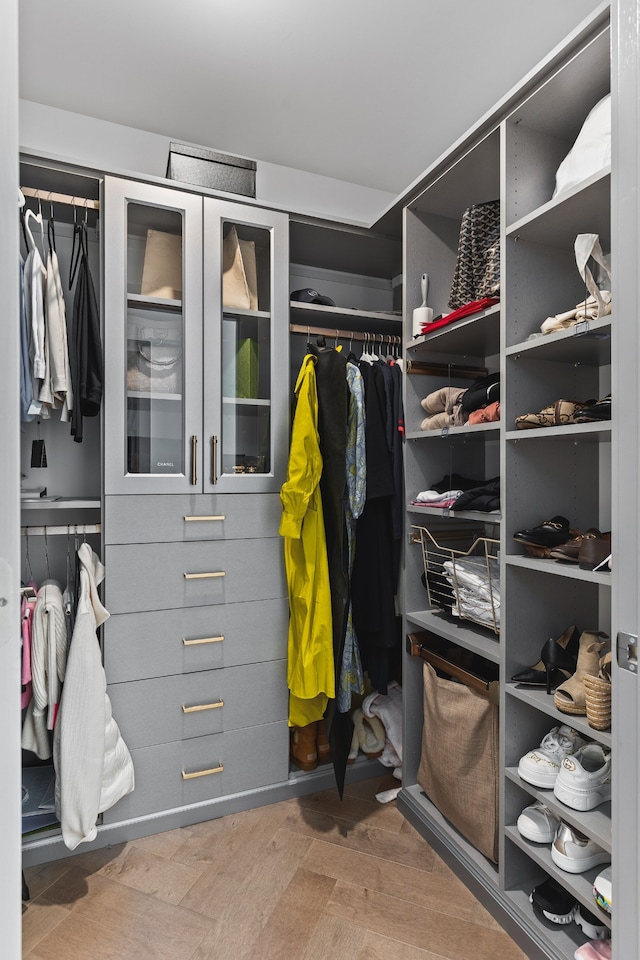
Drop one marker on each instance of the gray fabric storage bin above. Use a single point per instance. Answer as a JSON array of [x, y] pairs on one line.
[[208, 168]]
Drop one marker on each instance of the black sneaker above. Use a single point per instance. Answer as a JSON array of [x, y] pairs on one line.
[[550, 533], [554, 902]]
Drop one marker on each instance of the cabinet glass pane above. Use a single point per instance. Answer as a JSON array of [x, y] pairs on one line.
[[155, 332], [246, 349]]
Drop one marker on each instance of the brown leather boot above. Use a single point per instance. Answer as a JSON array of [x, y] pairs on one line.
[[324, 750], [304, 752]]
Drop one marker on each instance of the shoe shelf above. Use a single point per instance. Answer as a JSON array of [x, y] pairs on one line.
[[577, 884], [557, 222], [580, 432], [558, 569], [463, 634], [544, 703], [595, 824], [588, 341]]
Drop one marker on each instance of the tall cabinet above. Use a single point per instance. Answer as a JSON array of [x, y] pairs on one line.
[[562, 470], [195, 434]]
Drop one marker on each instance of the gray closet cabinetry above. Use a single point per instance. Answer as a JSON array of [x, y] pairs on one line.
[[513, 155], [195, 646]]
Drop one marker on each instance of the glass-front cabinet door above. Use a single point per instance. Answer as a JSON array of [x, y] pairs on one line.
[[153, 338], [246, 330], [196, 315]]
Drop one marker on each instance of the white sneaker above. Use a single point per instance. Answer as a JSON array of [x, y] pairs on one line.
[[538, 823], [575, 853], [540, 766], [602, 890], [584, 780]]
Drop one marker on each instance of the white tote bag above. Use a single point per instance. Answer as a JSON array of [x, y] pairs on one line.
[[591, 151]]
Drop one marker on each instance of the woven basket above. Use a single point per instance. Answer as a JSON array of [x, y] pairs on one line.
[[598, 702]]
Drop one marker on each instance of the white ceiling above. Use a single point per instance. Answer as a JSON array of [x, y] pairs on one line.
[[367, 91]]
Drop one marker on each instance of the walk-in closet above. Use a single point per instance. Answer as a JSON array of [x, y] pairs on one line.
[[319, 584]]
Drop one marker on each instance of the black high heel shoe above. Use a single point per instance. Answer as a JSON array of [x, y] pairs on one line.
[[557, 662]]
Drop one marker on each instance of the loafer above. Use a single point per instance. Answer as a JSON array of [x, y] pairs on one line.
[[569, 552], [547, 535], [594, 548]]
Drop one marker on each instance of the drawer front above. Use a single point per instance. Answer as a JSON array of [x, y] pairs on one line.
[[138, 646], [164, 519], [250, 758], [152, 576], [198, 704]]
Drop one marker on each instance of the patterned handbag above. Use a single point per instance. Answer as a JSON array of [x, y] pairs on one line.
[[477, 271]]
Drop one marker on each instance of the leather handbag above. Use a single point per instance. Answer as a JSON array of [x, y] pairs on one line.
[[239, 273]]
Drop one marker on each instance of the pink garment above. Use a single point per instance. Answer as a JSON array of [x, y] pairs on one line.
[[27, 622]]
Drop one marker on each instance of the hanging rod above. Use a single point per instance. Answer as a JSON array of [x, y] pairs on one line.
[[330, 332], [49, 197], [66, 529]]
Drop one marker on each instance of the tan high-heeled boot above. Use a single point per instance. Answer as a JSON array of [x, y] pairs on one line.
[[304, 752], [570, 696]]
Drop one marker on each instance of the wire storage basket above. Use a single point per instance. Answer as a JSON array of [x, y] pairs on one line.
[[465, 582]]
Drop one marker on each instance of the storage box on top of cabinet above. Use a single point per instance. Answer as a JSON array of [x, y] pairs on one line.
[[209, 168]]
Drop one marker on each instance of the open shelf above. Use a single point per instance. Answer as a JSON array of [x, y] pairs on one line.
[[464, 633]]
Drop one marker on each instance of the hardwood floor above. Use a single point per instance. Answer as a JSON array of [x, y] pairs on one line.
[[307, 879]]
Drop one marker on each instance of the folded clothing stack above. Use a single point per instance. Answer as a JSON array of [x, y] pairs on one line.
[[455, 406]]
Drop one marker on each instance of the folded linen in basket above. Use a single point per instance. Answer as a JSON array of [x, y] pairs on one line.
[[477, 574], [472, 607]]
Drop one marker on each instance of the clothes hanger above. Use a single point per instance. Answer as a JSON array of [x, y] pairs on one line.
[[51, 231]]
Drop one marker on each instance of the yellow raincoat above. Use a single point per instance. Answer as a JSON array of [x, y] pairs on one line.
[[310, 670]]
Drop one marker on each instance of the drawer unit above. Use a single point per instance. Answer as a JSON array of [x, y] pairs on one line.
[[183, 772], [154, 576], [197, 704], [162, 519], [157, 644]]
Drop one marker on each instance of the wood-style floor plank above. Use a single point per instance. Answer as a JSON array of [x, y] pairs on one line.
[[428, 929], [305, 879]]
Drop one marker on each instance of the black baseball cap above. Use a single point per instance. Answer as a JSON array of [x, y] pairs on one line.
[[312, 296]]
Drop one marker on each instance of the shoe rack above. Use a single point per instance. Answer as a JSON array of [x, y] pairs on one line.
[[513, 155]]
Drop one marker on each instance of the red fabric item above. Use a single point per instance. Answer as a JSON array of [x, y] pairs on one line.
[[488, 414], [474, 306]]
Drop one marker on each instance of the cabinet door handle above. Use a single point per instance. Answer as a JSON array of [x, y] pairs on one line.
[[194, 451], [198, 640], [204, 576], [214, 459], [220, 516], [202, 773], [203, 706]]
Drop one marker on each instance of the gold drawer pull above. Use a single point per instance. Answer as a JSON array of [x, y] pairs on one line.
[[193, 643], [203, 706], [202, 773], [204, 576], [219, 517]]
